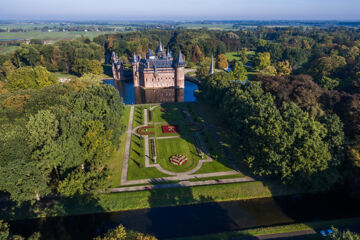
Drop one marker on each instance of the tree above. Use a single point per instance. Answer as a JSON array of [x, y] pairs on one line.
[[328, 65], [197, 54], [204, 68], [4, 230], [343, 235], [221, 61], [243, 55], [239, 71], [121, 233], [269, 71], [262, 60], [90, 79], [82, 66], [329, 83], [27, 77], [284, 68]]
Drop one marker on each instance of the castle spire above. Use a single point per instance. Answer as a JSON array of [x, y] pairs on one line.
[[212, 69], [134, 58], [180, 62], [160, 47]]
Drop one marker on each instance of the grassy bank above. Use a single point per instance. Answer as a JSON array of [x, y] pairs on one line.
[[116, 160], [315, 226], [152, 198]]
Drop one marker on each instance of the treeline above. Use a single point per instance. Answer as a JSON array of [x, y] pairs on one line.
[[291, 128], [58, 139], [77, 57]]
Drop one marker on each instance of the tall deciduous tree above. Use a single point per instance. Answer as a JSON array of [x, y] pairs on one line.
[[262, 60], [27, 77]]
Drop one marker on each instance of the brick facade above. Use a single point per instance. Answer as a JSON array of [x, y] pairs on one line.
[[159, 71]]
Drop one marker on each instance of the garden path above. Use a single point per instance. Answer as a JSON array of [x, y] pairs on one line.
[[180, 184]]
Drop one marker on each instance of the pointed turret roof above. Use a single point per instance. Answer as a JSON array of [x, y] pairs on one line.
[[212, 68], [180, 62], [149, 53], [160, 47]]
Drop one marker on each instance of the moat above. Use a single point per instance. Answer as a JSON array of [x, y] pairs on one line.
[[190, 220], [138, 95]]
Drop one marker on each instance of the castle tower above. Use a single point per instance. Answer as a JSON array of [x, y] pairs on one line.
[[160, 53], [135, 70], [180, 71], [212, 68]]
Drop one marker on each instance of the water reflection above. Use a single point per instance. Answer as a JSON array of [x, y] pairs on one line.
[[138, 95]]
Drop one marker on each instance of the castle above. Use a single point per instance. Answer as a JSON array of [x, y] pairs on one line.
[[154, 71]]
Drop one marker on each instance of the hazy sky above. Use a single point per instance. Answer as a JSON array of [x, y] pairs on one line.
[[180, 9]]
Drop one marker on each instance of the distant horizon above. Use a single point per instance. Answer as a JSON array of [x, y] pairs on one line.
[[185, 10], [120, 21]]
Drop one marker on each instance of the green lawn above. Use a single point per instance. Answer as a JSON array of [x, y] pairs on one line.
[[137, 169], [183, 146], [154, 198], [116, 160], [235, 56], [172, 114]]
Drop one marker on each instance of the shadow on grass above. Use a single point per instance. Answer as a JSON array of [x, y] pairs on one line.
[[183, 114]]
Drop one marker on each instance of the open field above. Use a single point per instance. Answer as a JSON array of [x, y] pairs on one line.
[[224, 26], [7, 49], [49, 35]]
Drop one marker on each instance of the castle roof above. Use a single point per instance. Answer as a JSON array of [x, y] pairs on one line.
[[156, 63], [180, 60], [212, 69], [149, 53], [160, 47]]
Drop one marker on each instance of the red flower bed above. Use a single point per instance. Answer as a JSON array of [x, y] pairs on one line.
[[179, 160], [170, 129], [143, 130]]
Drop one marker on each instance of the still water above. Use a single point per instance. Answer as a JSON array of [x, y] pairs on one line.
[[138, 95], [182, 221]]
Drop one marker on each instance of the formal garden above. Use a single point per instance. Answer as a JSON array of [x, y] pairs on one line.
[[170, 140]]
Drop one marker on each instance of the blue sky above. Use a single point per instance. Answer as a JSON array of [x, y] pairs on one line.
[[181, 9]]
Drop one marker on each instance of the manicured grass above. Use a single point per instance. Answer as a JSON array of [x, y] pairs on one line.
[[173, 146], [234, 55], [217, 178], [137, 169], [316, 226], [158, 198], [138, 116], [116, 160], [172, 114], [220, 163]]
